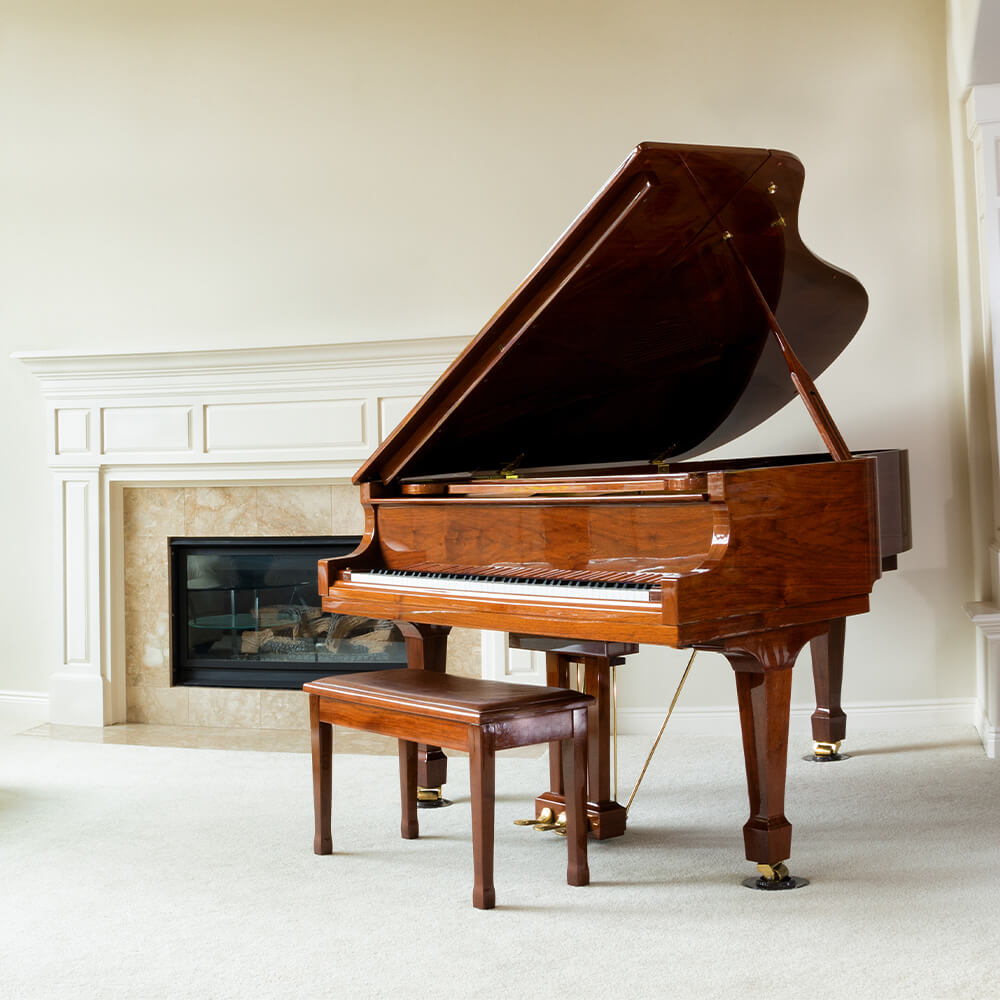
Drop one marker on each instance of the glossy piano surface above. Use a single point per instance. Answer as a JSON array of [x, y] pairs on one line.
[[649, 334], [638, 336], [753, 550]]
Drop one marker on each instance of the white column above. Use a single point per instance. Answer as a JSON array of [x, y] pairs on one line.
[[501, 663], [77, 687], [983, 124]]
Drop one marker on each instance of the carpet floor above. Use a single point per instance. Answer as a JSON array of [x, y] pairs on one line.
[[150, 872]]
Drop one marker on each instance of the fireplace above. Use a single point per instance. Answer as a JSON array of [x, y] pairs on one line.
[[256, 441], [245, 613]]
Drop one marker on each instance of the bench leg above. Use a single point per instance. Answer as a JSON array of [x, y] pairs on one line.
[[575, 783], [482, 782], [409, 827], [322, 754]]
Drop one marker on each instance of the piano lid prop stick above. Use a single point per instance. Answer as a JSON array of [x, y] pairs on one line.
[[656, 742], [801, 379]]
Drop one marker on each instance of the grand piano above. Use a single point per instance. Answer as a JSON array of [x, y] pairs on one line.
[[548, 483]]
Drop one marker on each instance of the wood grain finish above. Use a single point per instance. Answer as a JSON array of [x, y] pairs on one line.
[[759, 553], [638, 334], [605, 816], [753, 567], [463, 713], [648, 334]]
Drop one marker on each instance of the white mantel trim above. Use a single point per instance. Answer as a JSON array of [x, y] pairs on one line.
[[255, 415], [240, 359]]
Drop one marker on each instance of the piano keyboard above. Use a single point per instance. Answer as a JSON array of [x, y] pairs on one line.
[[586, 590]]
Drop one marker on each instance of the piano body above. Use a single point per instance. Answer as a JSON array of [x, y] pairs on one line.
[[547, 483]]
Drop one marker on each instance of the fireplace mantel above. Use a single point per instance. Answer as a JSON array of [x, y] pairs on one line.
[[257, 415]]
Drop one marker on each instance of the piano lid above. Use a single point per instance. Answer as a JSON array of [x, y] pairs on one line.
[[638, 337]]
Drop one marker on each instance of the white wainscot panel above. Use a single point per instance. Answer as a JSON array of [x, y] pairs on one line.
[[285, 426], [147, 428], [72, 431], [391, 410]]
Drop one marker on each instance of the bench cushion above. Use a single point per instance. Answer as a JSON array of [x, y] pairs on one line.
[[448, 696]]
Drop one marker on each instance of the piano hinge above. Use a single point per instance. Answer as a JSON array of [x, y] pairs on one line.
[[660, 462], [507, 471]]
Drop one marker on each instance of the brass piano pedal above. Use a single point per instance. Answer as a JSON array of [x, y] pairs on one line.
[[545, 818], [431, 798], [775, 878], [823, 752]]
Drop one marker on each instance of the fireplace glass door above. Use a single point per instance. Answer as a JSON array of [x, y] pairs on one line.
[[246, 613]]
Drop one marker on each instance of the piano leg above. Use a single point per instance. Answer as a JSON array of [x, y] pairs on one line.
[[427, 649], [763, 665], [829, 723], [556, 675]]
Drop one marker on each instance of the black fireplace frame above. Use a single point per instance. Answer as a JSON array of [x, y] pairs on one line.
[[195, 671]]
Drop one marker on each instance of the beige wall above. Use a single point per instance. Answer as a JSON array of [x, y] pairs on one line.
[[213, 174]]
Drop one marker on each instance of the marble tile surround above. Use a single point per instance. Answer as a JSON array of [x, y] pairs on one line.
[[153, 514]]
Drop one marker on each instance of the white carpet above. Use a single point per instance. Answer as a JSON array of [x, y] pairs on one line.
[[149, 872]]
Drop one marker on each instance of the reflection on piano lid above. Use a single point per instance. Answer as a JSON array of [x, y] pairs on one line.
[[638, 338]]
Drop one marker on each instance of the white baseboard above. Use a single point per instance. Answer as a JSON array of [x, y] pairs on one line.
[[725, 719], [860, 716], [988, 733], [36, 699]]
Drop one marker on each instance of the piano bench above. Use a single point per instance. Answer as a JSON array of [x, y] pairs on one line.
[[458, 713]]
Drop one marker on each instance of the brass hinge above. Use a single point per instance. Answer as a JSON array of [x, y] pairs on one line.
[[507, 471], [660, 462]]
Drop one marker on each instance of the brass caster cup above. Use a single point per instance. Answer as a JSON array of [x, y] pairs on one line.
[[431, 798], [774, 878], [826, 752]]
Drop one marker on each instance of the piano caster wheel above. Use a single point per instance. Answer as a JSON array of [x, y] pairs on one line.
[[774, 878], [823, 752], [431, 798]]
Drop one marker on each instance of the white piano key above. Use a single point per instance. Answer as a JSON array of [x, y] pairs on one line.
[[402, 581]]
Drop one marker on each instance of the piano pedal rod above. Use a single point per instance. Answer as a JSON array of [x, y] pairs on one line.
[[614, 727], [656, 742]]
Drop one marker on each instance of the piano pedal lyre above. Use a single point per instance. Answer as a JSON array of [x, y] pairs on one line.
[[775, 878]]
